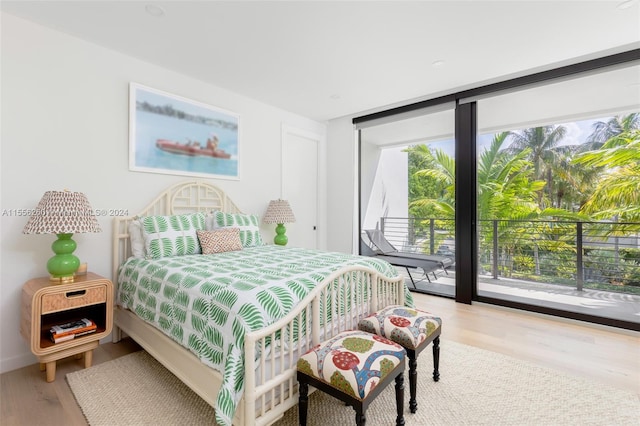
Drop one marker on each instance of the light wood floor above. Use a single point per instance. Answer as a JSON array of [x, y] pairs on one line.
[[602, 354]]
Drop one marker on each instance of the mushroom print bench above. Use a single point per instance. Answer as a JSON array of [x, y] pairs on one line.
[[354, 367], [414, 330]]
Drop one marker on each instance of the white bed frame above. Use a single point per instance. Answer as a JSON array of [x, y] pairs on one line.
[[270, 392]]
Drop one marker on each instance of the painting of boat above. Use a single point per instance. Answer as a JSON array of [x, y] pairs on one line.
[[193, 148]]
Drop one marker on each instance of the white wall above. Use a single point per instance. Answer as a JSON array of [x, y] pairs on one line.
[[341, 187], [342, 224], [370, 156], [389, 193], [65, 126]]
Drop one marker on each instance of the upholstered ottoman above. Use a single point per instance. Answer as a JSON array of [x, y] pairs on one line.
[[414, 330], [354, 366]]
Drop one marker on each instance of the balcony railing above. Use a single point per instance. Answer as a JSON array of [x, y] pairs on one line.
[[596, 255]]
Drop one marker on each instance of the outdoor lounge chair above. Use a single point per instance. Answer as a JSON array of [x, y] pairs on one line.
[[384, 250]]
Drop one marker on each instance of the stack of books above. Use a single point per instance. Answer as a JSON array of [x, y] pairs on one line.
[[71, 330]]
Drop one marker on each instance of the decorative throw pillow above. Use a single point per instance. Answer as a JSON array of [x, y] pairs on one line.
[[220, 240], [248, 224], [166, 236]]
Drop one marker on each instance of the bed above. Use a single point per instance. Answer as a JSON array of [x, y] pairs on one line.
[[312, 296]]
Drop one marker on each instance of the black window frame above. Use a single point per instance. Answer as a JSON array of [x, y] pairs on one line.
[[466, 180]]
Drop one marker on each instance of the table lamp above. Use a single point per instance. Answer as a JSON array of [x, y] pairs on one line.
[[63, 213], [279, 211]]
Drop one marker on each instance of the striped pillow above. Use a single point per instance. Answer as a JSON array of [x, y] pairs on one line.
[[166, 236], [248, 224], [220, 240]]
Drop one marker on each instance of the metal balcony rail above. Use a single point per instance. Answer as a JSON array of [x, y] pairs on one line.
[[602, 255]]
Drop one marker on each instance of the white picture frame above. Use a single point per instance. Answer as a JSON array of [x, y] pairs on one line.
[[170, 134]]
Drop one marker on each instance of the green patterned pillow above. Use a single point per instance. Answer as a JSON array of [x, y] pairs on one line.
[[166, 236], [248, 224]]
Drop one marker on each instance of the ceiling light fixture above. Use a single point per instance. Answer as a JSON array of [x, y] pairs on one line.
[[626, 4], [437, 63], [154, 10]]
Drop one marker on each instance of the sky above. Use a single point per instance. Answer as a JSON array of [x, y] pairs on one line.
[[577, 133]]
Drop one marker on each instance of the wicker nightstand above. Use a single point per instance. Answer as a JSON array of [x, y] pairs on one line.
[[45, 304]]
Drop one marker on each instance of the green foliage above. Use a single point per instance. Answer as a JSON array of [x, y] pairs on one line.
[[541, 144], [631, 255], [532, 181], [523, 263], [605, 266], [616, 193], [421, 187]]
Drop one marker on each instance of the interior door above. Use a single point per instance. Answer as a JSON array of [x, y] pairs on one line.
[[300, 185]]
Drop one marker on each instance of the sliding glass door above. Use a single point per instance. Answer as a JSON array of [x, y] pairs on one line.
[[558, 172], [407, 195], [528, 186]]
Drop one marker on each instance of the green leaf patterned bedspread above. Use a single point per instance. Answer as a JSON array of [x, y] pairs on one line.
[[207, 303]]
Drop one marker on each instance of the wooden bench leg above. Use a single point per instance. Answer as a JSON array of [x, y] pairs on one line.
[[436, 359], [303, 403], [400, 399], [413, 381], [361, 420]]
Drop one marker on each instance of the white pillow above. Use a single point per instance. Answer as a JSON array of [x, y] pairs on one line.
[[209, 221], [137, 239]]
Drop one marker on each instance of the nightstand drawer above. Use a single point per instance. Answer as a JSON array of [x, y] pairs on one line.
[[54, 302]]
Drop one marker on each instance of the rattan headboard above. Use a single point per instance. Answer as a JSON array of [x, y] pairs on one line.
[[185, 197]]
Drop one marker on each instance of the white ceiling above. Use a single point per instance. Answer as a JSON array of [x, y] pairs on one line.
[[330, 59]]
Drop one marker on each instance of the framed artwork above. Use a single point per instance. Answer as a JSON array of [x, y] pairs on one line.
[[174, 135]]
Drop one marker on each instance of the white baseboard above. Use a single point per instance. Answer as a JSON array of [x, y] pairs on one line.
[[18, 361]]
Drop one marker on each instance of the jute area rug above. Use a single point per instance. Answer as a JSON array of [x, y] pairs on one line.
[[476, 387]]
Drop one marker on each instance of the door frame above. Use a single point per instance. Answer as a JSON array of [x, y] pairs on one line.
[[321, 201]]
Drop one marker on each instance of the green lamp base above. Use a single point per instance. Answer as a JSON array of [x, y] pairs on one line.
[[64, 264], [281, 239]]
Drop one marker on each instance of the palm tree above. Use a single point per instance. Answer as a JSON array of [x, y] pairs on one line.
[[572, 184], [542, 142], [442, 170], [603, 131], [504, 188], [508, 193], [420, 157], [617, 193]]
